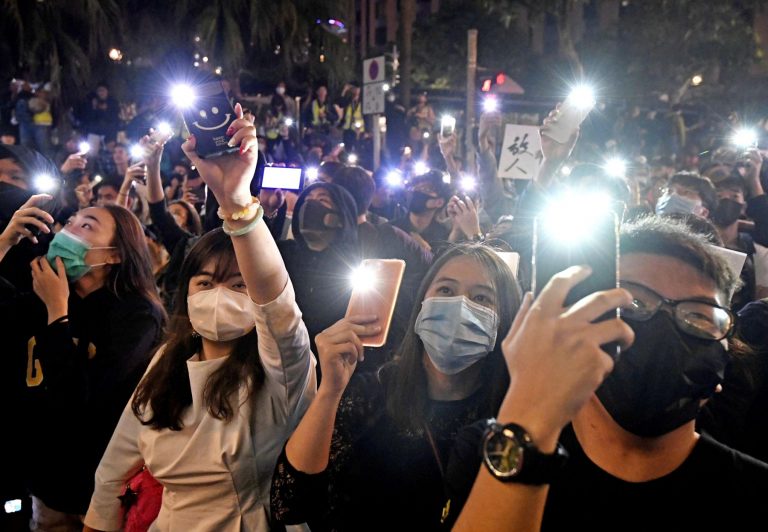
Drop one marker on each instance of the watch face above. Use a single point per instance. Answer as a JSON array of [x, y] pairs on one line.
[[504, 452]]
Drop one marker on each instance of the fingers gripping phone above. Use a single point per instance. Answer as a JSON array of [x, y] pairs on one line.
[[208, 119], [376, 285], [560, 242]]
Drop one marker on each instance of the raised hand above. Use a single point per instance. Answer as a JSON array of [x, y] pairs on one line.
[[339, 349], [28, 214], [554, 356], [463, 214]]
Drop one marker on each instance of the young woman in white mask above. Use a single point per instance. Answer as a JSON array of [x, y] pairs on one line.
[[235, 375], [371, 452]]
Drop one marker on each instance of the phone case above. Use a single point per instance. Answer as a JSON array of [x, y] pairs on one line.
[[570, 118], [209, 118], [378, 297]]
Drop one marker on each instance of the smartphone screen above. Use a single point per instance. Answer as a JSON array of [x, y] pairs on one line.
[[281, 177], [375, 287], [209, 118], [553, 252], [447, 126]]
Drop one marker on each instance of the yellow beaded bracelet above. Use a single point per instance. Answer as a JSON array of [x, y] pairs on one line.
[[244, 213]]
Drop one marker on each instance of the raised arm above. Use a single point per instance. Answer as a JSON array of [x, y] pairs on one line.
[[555, 364], [229, 178]]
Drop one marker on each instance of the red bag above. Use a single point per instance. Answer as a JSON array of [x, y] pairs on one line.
[[141, 501]]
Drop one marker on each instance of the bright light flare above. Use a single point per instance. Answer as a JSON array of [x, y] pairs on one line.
[[566, 170], [311, 173], [616, 167], [97, 179], [697, 80], [447, 122], [571, 219], [83, 147], [420, 168], [288, 122], [468, 183], [490, 104], [745, 138], [352, 158], [386, 87], [583, 96], [137, 152], [115, 54], [164, 128], [45, 183], [12, 506], [395, 179], [362, 279], [425, 134], [183, 95]]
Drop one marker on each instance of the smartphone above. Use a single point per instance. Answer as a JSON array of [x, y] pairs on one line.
[[598, 249], [447, 126], [208, 119], [375, 287], [572, 113], [281, 177], [53, 207]]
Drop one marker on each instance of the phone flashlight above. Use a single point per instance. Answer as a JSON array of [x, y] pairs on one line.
[[164, 128], [311, 173], [395, 179], [468, 183], [425, 135], [582, 96], [744, 138], [352, 158], [447, 125], [490, 104], [362, 279], [45, 183], [137, 152], [288, 122], [83, 148], [420, 168], [183, 95], [616, 167]]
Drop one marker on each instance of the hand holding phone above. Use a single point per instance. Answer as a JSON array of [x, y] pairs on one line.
[[376, 285], [208, 114], [572, 113], [447, 126], [28, 222]]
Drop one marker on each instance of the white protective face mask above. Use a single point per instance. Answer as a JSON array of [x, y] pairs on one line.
[[221, 314]]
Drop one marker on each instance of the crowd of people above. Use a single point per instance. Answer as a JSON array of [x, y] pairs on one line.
[[179, 353]]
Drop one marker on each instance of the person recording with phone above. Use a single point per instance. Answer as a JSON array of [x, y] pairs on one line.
[[426, 196], [635, 460], [230, 382], [371, 451], [79, 342]]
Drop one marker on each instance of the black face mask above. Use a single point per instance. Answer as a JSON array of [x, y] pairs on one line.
[[417, 203], [314, 216], [727, 212], [657, 385]]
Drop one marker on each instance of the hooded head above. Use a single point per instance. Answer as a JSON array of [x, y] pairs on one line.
[[328, 213]]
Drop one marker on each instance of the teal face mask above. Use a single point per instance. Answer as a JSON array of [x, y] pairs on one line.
[[71, 249]]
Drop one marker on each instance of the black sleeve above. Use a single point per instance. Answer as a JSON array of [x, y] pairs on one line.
[[170, 232], [757, 209], [298, 497]]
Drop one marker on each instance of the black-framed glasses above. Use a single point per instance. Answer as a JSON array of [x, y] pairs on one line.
[[697, 318]]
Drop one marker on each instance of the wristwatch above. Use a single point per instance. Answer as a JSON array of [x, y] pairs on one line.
[[511, 456]]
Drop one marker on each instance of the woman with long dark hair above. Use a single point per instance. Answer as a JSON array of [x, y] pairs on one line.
[[232, 379], [371, 451], [85, 337]]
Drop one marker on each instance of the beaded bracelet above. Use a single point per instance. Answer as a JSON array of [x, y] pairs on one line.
[[241, 214], [245, 229]]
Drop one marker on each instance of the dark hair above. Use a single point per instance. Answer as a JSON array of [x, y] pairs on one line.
[[358, 183], [107, 183], [434, 178], [133, 275], [194, 224], [659, 235], [702, 185], [406, 378], [165, 388], [331, 169], [732, 183]]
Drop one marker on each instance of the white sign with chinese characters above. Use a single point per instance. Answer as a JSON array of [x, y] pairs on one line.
[[373, 98], [520, 153]]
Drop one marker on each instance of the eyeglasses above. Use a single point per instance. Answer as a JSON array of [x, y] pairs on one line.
[[696, 318]]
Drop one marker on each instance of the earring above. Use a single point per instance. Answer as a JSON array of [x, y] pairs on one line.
[[195, 334]]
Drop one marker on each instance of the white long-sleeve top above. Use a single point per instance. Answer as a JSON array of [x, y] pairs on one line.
[[217, 475]]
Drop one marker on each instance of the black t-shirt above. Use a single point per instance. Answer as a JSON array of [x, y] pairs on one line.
[[715, 488]]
